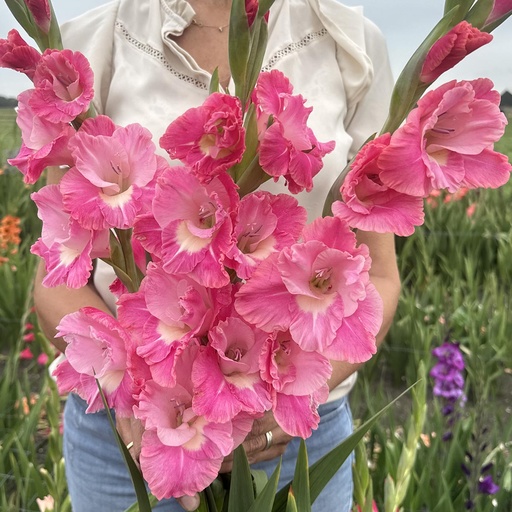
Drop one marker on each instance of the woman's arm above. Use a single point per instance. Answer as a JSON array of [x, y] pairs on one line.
[[385, 277], [52, 304]]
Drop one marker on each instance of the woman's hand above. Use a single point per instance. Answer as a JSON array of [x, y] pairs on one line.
[[259, 445]]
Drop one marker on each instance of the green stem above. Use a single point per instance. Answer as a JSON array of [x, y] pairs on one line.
[[251, 179], [125, 239], [210, 499]]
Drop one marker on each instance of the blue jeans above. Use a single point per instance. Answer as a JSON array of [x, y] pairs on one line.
[[98, 479]]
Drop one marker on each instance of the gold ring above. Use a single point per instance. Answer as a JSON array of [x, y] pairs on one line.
[[129, 445], [268, 439]]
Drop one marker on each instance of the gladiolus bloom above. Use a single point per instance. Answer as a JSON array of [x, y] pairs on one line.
[[265, 224], [226, 374], [26, 354], [41, 13], [66, 247], [114, 165], [319, 290], [447, 142], [288, 147], [451, 48], [16, 54], [298, 380], [370, 205], [42, 359], [64, 86], [194, 223], [187, 444], [44, 143], [501, 8], [210, 138], [97, 348]]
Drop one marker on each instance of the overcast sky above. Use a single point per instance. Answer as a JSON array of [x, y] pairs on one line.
[[404, 22]]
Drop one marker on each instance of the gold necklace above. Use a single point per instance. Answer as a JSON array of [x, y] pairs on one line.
[[202, 25]]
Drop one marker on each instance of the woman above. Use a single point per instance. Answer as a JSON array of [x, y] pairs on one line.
[[152, 61]]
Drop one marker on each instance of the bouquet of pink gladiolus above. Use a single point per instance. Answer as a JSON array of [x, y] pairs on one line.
[[225, 296]]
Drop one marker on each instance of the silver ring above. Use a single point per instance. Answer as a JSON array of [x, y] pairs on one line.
[[268, 440], [129, 445]]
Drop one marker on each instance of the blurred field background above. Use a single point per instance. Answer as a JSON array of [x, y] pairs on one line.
[[457, 275]]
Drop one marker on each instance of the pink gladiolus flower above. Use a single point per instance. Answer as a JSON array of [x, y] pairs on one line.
[[288, 147], [209, 138], [41, 13], [501, 8], [370, 205], [42, 359], [97, 347], [447, 142], [265, 224], [318, 290], [44, 143], [451, 48], [251, 9], [298, 380], [114, 165], [175, 437], [29, 337], [16, 54], [26, 354], [64, 86], [226, 374], [28, 326], [164, 316], [195, 225], [470, 210], [66, 247]]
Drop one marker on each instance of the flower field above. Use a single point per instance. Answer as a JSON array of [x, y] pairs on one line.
[[456, 277]]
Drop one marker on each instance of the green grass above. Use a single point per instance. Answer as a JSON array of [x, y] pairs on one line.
[[10, 137]]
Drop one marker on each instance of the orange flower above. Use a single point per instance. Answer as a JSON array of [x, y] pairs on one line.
[[9, 237]]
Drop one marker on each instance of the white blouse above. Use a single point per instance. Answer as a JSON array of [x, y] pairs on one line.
[[333, 56]]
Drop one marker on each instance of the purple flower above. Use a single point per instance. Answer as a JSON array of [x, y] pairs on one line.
[[487, 486], [450, 354]]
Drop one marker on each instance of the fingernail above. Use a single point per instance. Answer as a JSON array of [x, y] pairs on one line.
[[190, 503]]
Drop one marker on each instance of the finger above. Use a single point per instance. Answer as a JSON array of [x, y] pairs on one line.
[[263, 424], [136, 430], [189, 503], [124, 428]]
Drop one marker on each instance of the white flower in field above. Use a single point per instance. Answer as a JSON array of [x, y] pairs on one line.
[[46, 504]]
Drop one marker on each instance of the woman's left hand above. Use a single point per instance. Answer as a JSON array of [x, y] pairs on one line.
[[265, 441]]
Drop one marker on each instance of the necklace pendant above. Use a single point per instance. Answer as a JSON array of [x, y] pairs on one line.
[[221, 29]]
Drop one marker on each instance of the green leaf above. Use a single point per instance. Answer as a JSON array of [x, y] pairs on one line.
[[408, 89], [214, 82], [239, 45], [300, 483], [259, 480], [321, 472], [21, 13], [241, 492], [265, 499], [480, 12], [291, 504], [135, 474], [255, 60], [264, 6]]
